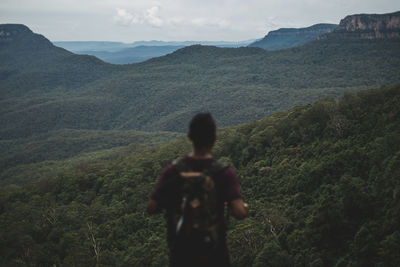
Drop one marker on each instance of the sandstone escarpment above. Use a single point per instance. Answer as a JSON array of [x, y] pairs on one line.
[[369, 26]]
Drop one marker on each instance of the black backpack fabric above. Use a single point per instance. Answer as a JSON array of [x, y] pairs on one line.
[[196, 226]]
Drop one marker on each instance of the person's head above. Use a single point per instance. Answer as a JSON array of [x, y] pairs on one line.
[[202, 131]]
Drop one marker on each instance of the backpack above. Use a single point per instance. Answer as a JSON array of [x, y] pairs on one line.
[[199, 229]]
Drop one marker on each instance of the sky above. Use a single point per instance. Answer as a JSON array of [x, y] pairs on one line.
[[178, 20]]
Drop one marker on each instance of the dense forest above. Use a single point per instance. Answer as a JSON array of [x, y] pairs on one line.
[[48, 93], [322, 181], [316, 149], [45, 88], [25, 159]]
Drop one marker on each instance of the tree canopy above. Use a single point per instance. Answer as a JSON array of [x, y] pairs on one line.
[[321, 180]]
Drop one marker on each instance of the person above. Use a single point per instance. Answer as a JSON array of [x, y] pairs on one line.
[[202, 133]]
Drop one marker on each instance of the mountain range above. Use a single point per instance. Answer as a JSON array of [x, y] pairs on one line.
[[102, 46], [321, 178], [124, 53], [290, 37], [46, 89], [133, 54]]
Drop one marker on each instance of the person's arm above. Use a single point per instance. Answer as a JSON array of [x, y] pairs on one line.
[[238, 209], [157, 198], [236, 206], [152, 207]]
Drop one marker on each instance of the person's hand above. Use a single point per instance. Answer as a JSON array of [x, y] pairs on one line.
[[239, 209], [246, 206]]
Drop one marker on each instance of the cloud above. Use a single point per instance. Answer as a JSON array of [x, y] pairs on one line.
[[123, 17], [150, 17]]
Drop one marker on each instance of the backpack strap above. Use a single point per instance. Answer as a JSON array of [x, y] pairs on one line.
[[179, 165], [215, 168]]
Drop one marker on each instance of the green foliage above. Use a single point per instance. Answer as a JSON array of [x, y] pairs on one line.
[[48, 88], [26, 159], [321, 180]]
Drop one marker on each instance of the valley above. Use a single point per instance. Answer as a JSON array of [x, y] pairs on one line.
[[313, 132]]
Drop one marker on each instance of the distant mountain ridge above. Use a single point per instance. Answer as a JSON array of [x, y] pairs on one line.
[[47, 89], [79, 46], [124, 53], [132, 54], [101, 46], [50, 88], [189, 43], [31, 63], [290, 37]]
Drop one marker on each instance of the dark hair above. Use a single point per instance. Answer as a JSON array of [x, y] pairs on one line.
[[202, 130]]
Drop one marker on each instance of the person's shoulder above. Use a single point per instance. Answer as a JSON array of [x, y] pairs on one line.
[[230, 182], [221, 164], [169, 170], [228, 171], [225, 169]]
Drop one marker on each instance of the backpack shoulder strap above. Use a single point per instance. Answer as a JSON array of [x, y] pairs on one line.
[[216, 168], [179, 165]]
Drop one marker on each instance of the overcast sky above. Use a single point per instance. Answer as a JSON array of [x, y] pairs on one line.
[[178, 20]]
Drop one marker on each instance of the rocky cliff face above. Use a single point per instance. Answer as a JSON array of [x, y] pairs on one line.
[[370, 26]]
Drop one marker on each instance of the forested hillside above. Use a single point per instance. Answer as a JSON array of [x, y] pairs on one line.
[[26, 159], [290, 37], [46, 88], [59, 109], [30, 65], [322, 181]]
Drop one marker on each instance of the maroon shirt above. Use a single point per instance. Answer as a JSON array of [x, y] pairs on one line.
[[227, 188]]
